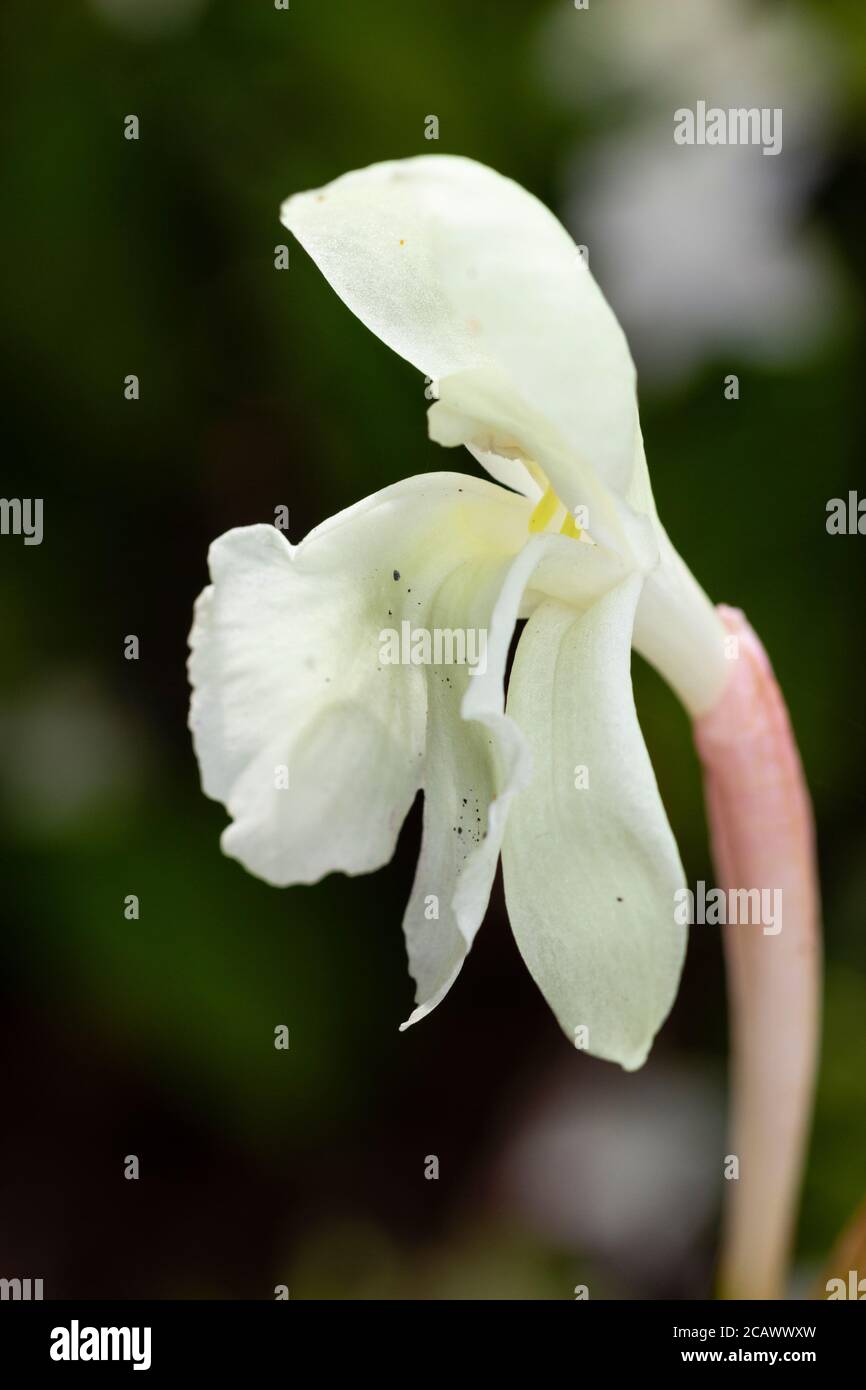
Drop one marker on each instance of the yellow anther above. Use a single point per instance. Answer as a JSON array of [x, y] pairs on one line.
[[544, 510], [570, 527]]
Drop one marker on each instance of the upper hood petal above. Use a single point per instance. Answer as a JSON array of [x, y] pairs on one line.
[[458, 268]]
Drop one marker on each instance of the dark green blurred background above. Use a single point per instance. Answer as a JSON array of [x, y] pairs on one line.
[[258, 388]]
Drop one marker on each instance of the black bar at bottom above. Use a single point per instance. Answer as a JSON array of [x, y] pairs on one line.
[[167, 1339]]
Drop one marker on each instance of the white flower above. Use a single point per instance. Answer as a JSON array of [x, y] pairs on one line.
[[473, 281]]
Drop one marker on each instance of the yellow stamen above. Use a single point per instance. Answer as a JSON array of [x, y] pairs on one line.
[[544, 510], [570, 527]]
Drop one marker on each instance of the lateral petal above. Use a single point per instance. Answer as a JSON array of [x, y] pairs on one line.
[[589, 860], [314, 742]]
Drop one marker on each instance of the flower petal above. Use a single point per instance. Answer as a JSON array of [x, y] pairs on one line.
[[287, 672], [457, 269], [591, 871], [511, 472], [477, 760]]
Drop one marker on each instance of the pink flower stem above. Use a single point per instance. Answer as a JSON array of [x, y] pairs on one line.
[[762, 836]]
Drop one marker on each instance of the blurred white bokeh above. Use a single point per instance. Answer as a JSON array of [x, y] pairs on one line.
[[627, 1168], [701, 249], [66, 749]]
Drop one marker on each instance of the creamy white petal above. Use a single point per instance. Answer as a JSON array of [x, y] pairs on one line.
[[457, 269], [511, 472], [287, 671], [476, 760], [591, 872], [474, 770]]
